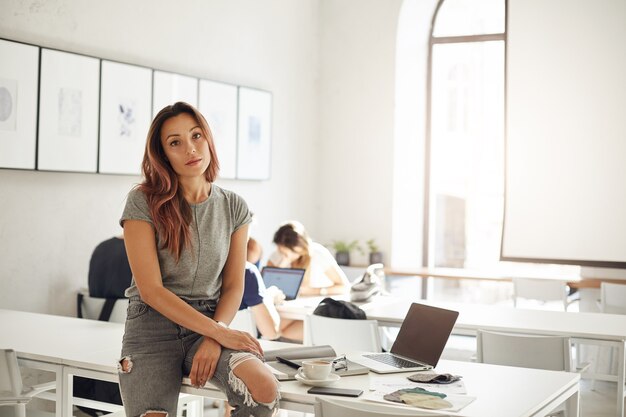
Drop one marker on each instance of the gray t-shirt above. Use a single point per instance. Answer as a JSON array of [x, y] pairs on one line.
[[198, 273]]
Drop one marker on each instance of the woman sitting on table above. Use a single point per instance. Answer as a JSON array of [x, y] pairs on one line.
[[186, 242], [322, 277]]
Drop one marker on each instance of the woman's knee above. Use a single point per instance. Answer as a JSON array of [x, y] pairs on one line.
[[258, 380]]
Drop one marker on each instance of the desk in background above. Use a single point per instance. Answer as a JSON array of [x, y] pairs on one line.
[[468, 274], [573, 281]]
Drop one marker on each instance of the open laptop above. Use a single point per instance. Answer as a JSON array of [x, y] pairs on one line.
[[423, 335], [288, 280]]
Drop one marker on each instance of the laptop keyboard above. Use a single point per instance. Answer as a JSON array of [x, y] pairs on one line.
[[393, 360]]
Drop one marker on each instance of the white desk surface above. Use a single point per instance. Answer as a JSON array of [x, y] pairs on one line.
[[390, 311], [92, 345], [499, 390], [473, 317], [479, 274]]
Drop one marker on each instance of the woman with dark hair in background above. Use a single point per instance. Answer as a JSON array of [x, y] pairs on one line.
[[295, 249]]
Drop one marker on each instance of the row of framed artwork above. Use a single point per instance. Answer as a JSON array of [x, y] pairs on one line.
[[61, 111]]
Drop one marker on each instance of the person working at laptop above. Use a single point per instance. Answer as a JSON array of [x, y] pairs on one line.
[[260, 301], [295, 249]]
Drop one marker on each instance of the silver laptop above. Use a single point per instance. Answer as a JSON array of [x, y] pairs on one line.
[[288, 280], [423, 335]]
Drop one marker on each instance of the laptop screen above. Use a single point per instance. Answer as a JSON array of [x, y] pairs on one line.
[[424, 333], [288, 280]]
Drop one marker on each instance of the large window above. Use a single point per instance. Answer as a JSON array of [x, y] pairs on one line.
[[466, 177], [464, 193]]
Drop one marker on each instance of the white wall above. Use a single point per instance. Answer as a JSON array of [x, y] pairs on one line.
[[355, 171], [566, 119], [50, 222]]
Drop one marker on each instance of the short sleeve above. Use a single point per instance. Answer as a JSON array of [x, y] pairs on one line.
[[276, 258], [323, 257], [253, 287], [136, 208], [240, 211]]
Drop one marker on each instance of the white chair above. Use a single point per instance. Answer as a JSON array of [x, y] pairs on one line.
[[525, 351], [244, 321], [12, 390], [344, 335], [543, 290], [612, 298], [335, 408], [91, 307], [612, 301]]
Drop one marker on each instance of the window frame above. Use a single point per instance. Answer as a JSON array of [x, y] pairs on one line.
[[434, 40]]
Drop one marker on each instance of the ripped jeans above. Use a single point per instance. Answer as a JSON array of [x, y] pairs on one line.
[[159, 353]]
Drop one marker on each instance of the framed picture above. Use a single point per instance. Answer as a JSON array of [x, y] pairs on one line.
[[218, 104], [254, 134], [68, 112], [169, 88], [19, 78], [125, 116]]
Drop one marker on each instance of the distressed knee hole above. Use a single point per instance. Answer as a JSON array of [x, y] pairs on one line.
[[125, 365], [240, 387], [154, 413], [238, 358]]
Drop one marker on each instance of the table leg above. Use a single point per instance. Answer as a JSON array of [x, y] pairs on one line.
[[67, 393], [58, 379], [621, 376], [572, 405], [424, 294]]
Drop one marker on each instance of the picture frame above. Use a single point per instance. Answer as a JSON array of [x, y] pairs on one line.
[[19, 82], [68, 112], [254, 134], [125, 116], [218, 104], [169, 87]]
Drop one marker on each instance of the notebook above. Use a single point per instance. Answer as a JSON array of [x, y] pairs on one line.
[[423, 335], [296, 355], [288, 280]]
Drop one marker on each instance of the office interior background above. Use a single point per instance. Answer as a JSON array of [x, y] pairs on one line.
[[371, 138]]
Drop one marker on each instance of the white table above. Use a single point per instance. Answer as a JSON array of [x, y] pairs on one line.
[[587, 328], [426, 274], [69, 346]]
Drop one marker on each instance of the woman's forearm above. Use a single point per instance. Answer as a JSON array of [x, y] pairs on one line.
[[337, 289], [174, 308], [228, 305], [233, 277]]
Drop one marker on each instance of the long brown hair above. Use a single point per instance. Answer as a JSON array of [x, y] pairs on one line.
[[293, 235], [169, 210]]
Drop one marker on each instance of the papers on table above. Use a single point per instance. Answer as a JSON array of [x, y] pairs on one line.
[[388, 385], [455, 392]]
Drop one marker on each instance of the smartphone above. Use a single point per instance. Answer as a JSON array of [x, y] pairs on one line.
[[288, 362], [336, 391]]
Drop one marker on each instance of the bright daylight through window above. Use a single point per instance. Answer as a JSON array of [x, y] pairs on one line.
[[466, 176]]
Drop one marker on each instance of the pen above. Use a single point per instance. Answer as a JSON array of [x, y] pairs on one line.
[[287, 362]]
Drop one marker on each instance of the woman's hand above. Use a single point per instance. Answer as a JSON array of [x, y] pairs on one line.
[[205, 362], [275, 294], [237, 340]]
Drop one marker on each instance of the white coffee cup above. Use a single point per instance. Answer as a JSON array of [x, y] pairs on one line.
[[316, 369]]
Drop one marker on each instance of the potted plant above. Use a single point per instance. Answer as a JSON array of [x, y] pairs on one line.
[[376, 256], [342, 250]]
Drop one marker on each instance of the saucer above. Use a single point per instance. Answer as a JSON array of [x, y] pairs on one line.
[[332, 378]]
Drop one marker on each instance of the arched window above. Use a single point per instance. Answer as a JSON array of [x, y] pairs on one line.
[[464, 186], [448, 199]]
